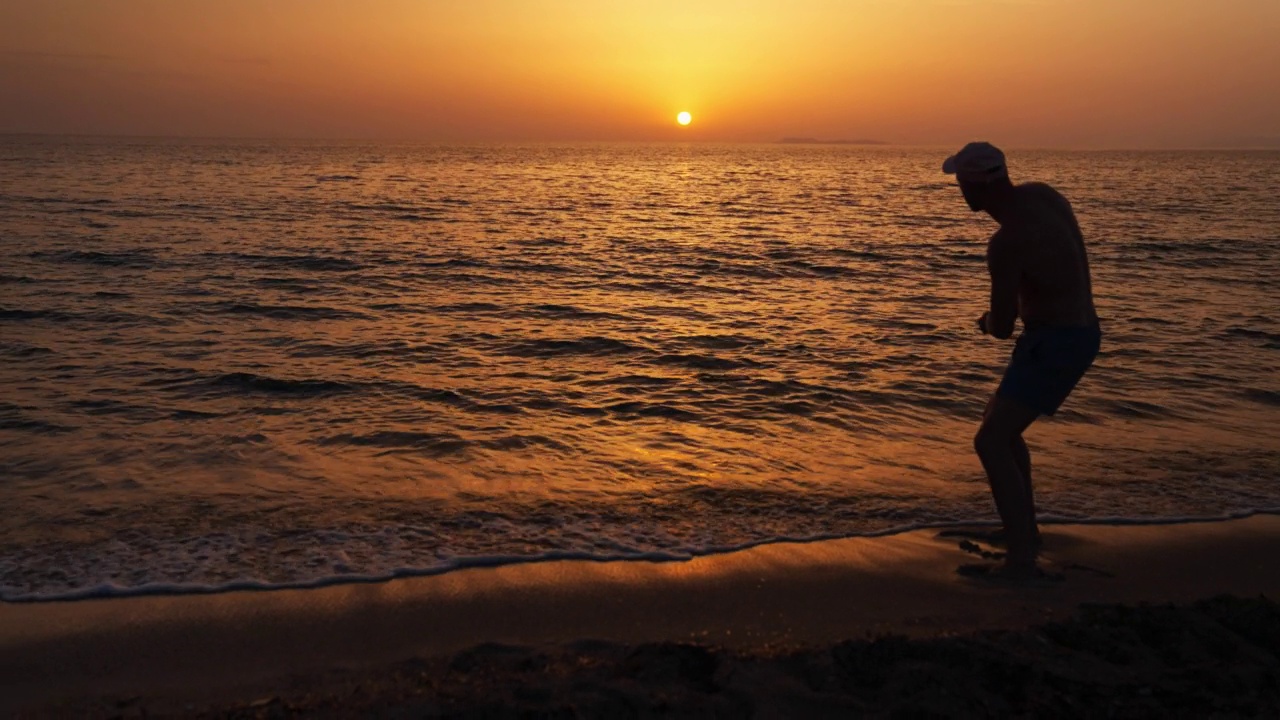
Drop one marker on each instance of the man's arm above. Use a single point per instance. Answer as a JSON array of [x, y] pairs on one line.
[[1002, 262]]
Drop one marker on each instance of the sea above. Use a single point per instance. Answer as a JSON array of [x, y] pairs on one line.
[[254, 364]]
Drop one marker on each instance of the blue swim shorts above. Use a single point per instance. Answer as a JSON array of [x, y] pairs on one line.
[[1047, 363]]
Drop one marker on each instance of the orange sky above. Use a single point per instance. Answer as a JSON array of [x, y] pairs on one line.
[[1094, 73]]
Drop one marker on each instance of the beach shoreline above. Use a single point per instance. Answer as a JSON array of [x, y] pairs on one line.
[[200, 651]]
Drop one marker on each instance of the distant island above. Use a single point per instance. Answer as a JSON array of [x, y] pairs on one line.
[[1268, 143], [816, 141]]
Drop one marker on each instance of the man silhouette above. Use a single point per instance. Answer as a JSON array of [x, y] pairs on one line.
[[1039, 272]]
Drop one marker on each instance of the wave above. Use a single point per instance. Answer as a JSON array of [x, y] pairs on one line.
[[285, 312], [103, 407], [250, 383], [398, 349], [438, 444], [194, 415], [434, 444], [1266, 397], [23, 314], [536, 267], [21, 350], [522, 442], [390, 208], [804, 267], [1136, 409], [542, 242], [346, 574], [664, 287], [57, 200], [417, 217], [725, 269], [311, 262], [719, 342], [568, 312], [106, 317], [677, 311], [294, 285], [633, 381], [696, 361], [1253, 334], [127, 258], [644, 409], [1215, 246], [593, 345], [13, 417], [453, 262], [468, 307], [126, 213]]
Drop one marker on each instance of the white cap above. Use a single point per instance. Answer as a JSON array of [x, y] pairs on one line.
[[977, 162]]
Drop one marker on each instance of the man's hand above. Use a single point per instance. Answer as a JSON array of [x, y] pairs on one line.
[[982, 323], [1004, 260]]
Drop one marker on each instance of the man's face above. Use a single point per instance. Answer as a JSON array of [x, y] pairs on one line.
[[974, 193]]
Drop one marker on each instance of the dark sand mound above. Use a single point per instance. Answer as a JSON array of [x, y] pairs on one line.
[[1214, 658]]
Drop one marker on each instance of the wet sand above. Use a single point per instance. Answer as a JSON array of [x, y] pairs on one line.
[[685, 634]]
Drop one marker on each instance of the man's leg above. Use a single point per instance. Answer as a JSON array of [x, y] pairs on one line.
[[995, 442], [1022, 456]]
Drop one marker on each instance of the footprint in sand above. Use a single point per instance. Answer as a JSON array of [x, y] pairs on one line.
[[976, 549]]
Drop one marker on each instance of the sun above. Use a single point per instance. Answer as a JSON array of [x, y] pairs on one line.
[[684, 118]]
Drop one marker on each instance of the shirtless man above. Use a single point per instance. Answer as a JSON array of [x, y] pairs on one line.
[[1039, 272]]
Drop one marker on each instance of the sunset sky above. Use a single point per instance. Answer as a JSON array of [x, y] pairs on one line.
[[1067, 73]]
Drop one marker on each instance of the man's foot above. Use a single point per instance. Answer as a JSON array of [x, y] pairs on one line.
[[1005, 573]]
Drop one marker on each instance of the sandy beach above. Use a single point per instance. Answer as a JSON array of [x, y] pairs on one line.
[[346, 646]]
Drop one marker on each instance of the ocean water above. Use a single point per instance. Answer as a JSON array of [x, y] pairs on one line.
[[237, 364]]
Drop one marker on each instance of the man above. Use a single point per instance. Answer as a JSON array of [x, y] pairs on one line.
[[1039, 272]]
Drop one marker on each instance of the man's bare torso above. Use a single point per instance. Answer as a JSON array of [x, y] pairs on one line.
[[1045, 243]]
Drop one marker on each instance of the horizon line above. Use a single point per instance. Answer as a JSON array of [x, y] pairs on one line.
[[1271, 144]]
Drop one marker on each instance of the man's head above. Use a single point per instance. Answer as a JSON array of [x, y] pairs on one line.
[[981, 170]]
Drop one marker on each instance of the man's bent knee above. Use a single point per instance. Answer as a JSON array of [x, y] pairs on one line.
[[986, 411], [1003, 423], [988, 441]]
